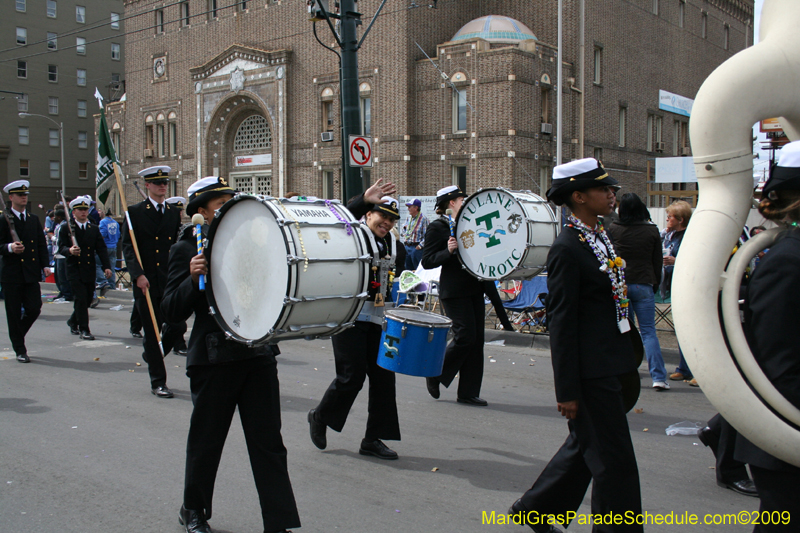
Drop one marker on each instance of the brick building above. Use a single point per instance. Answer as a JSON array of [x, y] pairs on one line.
[[242, 89], [54, 54]]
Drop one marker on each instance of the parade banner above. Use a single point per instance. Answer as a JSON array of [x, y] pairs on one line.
[[106, 157]]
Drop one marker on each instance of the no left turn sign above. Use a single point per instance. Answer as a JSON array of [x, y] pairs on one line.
[[360, 151]]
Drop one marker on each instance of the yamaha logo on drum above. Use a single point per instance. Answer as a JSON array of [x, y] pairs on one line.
[[497, 229]]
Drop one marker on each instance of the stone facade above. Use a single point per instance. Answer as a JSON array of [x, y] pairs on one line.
[[216, 69]]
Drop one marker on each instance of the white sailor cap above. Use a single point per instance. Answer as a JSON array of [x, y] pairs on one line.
[[451, 192], [203, 190], [81, 202], [578, 175], [18, 187], [158, 172], [177, 201]]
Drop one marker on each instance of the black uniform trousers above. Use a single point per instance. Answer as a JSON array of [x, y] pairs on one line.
[[465, 352], [152, 353], [598, 448], [19, 296], [217, 390], [136, 320], [723, 445], [83, 292], [355, 351], [779, 492]]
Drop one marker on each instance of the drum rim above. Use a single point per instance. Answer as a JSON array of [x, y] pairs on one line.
[[393, 314], [212, 301]]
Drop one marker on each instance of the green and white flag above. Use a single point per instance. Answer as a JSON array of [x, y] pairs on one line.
[[106, 157]]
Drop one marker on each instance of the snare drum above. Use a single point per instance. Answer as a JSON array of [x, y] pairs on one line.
[[413, 342], [505, 234], [280, 269]]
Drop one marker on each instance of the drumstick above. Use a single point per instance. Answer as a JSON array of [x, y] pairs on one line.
[[449, 213], [197, 220]]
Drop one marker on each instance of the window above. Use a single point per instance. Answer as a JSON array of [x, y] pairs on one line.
[[115, 140], [51, 8], [159, 21], [658, 133], [52, 105], [727, 37], [55, 170], [623, 112], [81, 77], [327, 184], [676, 138], [173, 139], [598, 154], [682, 13], [52, 73], [114, 21], [254, 134], [83, 171], [83, 139], [80, 46], [52, 41], [54, 138], [704, 25], [23, 135], [655, 7], [24, 168], [598, 64], [242, 5], [22, 69], [82, 108], [21, 7], [212, 8], [80, 14], [327, 116], [185, 14], [22, 103], [115, 51], [460, 111], [684, 137], [22, 36], [162, 150], [366, 116], [545, 104], [650, 125], [149, 134], [460, 177]]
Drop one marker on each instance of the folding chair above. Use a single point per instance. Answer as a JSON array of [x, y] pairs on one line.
[[123, 276], [528, 308], [664, 312]]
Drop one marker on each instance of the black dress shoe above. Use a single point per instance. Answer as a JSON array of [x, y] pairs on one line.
[[521, 518], [378, 449], [162, 392], [193, 521], [23, 358], [73, 328], [433, 387], [85, 335], [474, 400], [180, 351], [136, 334], [745, 487], [317, 430]]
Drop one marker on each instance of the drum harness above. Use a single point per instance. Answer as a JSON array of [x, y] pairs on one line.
[[371, 312]]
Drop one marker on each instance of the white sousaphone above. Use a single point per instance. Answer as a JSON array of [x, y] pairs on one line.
[[757, 83]]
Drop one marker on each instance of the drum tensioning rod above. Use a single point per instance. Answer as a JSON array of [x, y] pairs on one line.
[[293, 259]]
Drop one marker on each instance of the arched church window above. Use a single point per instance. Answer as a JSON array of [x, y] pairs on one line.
[[253, 134]]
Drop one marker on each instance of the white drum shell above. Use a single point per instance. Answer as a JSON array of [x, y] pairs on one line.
[[261, 288], [520, 252]]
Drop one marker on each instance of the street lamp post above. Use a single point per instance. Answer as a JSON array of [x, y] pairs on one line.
[[61, 143]]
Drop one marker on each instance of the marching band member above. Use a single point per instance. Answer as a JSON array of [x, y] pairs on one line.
[[225, 375], [772, 320], [461, 295], [591, 350], [81, 271], [155, 225], [23, 262], [355, 350]]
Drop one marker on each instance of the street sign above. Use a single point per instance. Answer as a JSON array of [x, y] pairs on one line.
[[360, 151]]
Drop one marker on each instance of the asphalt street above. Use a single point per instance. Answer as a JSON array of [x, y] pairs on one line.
[[85, 447]]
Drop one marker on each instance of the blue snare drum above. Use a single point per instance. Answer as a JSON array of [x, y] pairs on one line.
[[413, 342]]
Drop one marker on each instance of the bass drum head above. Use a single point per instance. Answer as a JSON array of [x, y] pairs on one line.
[[492, 234], [248, 276]]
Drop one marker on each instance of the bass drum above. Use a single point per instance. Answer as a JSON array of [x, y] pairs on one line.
[[281, 269], [505, 234]]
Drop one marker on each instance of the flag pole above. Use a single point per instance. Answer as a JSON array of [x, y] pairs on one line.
[[124, 203]]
